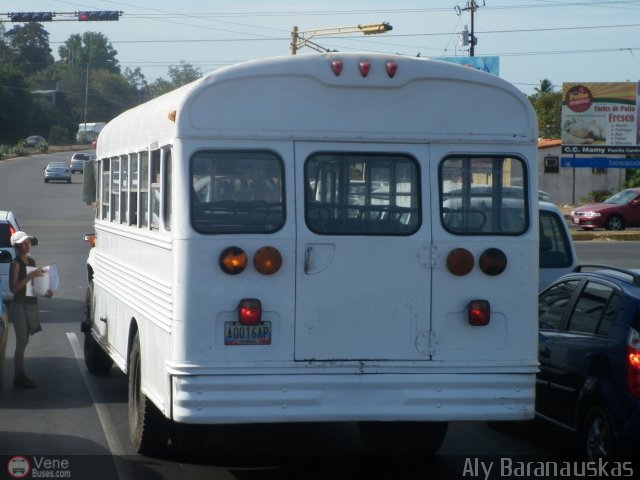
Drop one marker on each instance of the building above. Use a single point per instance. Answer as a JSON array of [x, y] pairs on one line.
[[574, 185]]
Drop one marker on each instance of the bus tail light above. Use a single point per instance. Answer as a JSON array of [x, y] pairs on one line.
[[479, 312], [460, 261], [267, 260], [232, 260], [250, 311], [493, 261], [633, 363]]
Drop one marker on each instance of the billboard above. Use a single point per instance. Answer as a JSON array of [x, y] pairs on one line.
[[486, 64], [600, 118]]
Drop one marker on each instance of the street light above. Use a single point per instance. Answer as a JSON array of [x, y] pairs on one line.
[[301, 39]]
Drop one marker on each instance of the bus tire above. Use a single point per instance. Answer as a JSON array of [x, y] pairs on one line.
[[413, 438], [98, 362], [148, 428]]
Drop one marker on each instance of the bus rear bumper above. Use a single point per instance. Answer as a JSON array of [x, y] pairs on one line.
[[220, 399]]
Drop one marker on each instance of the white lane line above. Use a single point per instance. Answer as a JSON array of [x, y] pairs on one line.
[[106, 421]]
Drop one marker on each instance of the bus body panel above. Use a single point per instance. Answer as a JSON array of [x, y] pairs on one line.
[[363, 326]]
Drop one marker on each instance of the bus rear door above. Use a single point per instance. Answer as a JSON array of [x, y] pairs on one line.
[[363, 248]]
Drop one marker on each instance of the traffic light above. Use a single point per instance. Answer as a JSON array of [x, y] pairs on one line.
[[375, 28], [99, 16], [28, 17]]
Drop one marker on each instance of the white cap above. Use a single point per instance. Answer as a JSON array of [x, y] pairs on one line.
[[19, 237]]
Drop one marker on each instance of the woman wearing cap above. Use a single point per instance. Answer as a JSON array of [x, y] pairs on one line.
[[23, 311]]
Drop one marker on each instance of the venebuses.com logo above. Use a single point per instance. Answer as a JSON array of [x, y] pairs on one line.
[[18, 467]]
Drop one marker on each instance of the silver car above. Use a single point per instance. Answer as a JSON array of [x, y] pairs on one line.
[[76, 164], [57, 171]]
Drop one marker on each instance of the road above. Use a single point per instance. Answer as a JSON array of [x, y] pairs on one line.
[[82, 419]]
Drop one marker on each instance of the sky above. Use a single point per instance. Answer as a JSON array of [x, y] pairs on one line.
[[562, 41]]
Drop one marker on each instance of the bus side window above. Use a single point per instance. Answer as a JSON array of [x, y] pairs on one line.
[[166, 189], [143, 206], [155, 189], [105, 187]]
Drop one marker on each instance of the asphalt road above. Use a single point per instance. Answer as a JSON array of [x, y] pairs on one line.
[[82, 419]]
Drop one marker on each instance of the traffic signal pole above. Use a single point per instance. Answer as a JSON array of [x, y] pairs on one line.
[[84, 16]]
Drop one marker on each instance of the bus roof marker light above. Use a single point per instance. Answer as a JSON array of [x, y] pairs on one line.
[[267, 260], [250, 311], [493, 261], [232, 260], [365, 68], [336, 67], [392, 69], [172, 116]]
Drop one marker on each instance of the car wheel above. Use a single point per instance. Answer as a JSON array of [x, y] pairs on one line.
[[597, 438], [614, 222], [46, 181], [148, 428]]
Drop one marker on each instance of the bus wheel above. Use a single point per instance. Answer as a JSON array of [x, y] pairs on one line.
[[148, 429], [96, 359], [416, 438]]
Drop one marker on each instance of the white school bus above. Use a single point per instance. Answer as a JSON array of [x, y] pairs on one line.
[[344, 237]]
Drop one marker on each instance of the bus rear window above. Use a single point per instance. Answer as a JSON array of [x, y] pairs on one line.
[[362, 194], [483, 195], [237, 192]]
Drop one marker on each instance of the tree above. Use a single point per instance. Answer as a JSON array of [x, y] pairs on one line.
[[548, 108], [93, 49], [545, 87], [15, 105], [179, 75], [29, 44]]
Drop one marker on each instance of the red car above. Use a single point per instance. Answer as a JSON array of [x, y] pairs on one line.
[[617, 212]]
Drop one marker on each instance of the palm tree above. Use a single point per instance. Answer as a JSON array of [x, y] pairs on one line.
[[545, 87]]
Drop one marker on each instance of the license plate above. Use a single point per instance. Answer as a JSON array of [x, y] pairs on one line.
[[576, 220], [237, 334]]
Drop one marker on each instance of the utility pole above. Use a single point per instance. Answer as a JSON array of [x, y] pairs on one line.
[[472, 6], [86, 98]]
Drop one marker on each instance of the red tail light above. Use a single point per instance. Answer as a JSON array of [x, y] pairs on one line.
[[11, 230], [249, 311], [633, 363], [479, 312], [364, 67]]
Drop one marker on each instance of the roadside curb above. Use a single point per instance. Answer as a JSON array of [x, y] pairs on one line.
[[633, 236]]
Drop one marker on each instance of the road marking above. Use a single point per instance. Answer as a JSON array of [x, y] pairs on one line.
[[106, 421]]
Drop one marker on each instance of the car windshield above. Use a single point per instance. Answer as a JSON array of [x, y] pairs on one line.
[[622, 198], [57, 165]]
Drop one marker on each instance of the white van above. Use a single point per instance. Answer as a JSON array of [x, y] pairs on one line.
[[557, 252]]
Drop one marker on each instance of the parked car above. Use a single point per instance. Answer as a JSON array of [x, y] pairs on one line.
[[589, 352], [617, 212], [34, 140], [76, 163], [557, 252], [8, 226], [58, 171]]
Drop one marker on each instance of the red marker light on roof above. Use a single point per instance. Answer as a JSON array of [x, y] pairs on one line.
[[336, 67], [365, 68], [392, 68]]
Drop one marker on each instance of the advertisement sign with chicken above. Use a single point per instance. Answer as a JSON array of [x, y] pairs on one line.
[[600, 118]]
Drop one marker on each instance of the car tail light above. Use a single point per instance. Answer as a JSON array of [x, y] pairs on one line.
[[633, 362], [250, 311], [11, 230], [90, 239], [479, 312]]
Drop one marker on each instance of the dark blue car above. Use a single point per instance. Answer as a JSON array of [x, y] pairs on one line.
[[589, 351]]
